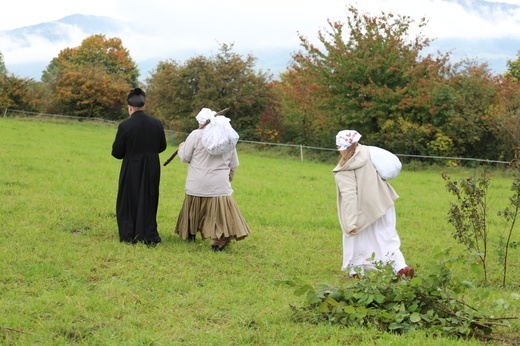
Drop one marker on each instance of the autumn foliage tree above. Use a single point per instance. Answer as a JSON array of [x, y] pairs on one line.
[[506, 111], [474, 124], [92, 80], [3, 69], [18, 93], [15, 92], [370, 74], [271, 127], [302, 100], [173, 92], [375, 80], [177, 91], [4, 99], [513, 68]]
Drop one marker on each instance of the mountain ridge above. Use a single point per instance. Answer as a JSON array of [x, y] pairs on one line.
[[70, 30]]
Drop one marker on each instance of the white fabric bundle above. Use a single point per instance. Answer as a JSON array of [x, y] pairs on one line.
[[205, 114], [218, 136], [387, 164]]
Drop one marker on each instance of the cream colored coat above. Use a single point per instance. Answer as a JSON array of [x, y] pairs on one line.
[[208, 175], [362, 196]]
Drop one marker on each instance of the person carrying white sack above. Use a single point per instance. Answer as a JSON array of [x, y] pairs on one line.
[[209, 207], [365, 204]]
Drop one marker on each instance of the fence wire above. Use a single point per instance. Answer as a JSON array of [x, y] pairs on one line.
[[171, 134]]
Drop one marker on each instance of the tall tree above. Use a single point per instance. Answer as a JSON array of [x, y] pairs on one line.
[[92, 79], [513, 68], [178, 91], [242, 88], [3, 75], [506, 114], [474, 125], [173, 92], [377, 81], [270, 126], [302, 100], [506, 109], [17, 93], [3, 69]]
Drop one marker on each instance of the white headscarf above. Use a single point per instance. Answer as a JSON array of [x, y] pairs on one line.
[[205, 114], [345, 138]]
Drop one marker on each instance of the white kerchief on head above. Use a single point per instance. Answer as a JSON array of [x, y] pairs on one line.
[[205, 114], [345, 138]]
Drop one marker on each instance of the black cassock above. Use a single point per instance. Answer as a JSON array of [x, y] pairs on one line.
[[139, 140]]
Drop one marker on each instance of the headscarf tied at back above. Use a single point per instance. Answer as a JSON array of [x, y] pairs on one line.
[[204, 115], [345, 138]]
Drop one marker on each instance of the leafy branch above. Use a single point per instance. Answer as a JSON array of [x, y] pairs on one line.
[[509, 215], [469, 217], [469, 214], [384, 300]]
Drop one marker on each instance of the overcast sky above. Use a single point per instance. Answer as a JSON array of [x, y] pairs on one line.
[[200, 26]]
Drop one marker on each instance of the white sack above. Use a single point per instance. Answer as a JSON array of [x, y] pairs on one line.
[[387, 164], [218, 136]]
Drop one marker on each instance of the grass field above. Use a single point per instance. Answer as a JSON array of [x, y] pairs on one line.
[[65, 278]]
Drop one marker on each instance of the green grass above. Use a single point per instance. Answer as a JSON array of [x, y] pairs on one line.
[[66, 279]]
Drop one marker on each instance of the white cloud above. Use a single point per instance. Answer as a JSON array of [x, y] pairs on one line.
[[175, 29], [451, 19], [24, 52]]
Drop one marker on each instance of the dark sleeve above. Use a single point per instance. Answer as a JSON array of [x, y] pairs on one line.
[[119, 146], [162, 144]]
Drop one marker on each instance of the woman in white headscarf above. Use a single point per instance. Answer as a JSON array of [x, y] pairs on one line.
[[209, 207], [366, 211]]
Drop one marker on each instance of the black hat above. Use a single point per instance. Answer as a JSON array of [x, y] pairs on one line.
[[136, 98]]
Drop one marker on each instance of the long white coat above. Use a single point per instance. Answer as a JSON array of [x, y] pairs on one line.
[[362, 196]]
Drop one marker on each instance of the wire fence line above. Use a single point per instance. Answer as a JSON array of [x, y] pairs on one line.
[[171, 133], [28, 114]]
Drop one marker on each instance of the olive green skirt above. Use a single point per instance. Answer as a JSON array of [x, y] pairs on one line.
[[212, 217]]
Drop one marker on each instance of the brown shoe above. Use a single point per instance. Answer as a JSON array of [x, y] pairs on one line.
[[406, 271]]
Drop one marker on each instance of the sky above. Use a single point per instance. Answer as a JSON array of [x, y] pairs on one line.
[[163, 29]]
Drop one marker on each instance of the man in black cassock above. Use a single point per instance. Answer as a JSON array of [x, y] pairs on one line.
[[139, 140]]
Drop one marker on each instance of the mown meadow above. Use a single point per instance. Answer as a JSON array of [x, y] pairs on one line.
[[65, 278]]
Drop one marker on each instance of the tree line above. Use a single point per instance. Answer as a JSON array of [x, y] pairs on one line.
[[366, 72]]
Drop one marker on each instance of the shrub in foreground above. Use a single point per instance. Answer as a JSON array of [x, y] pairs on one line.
[[383, 300]]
